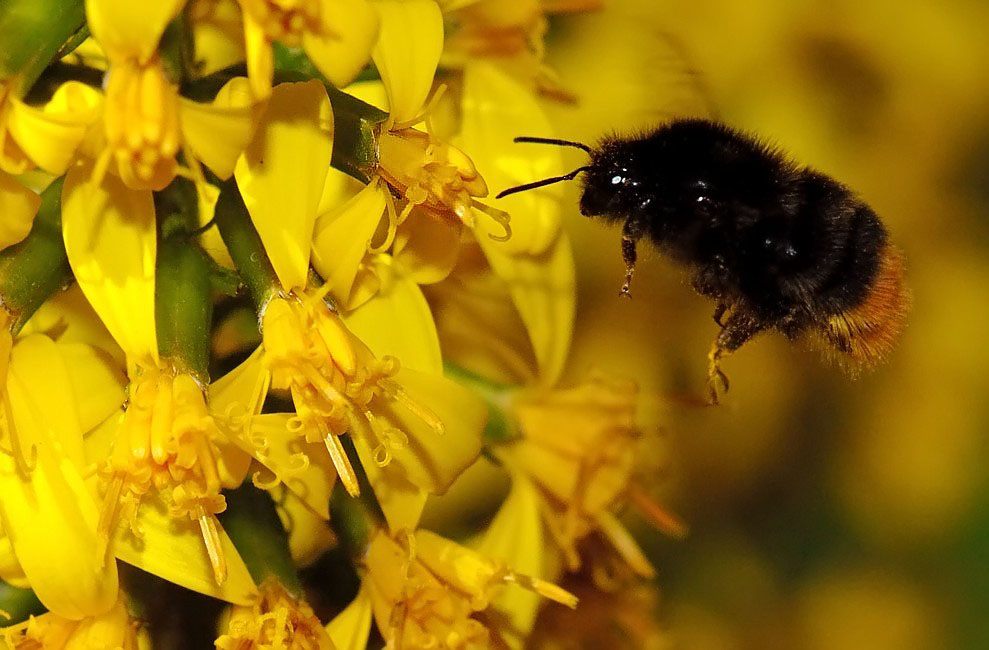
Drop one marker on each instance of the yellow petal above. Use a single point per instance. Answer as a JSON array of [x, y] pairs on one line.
[[218, 132], [401, 501], [407, 53], [210, 240], [399, 300], [303, 467], [497, 108], [233, 400], [130, 29], [282, 173], [467, 570], [50, 515], [515, 538], [543, 290], [309, 535], [18, 206], [10, 569], [343, 52], [173, 549], [342, 236], [433, 460], [67, 317], [350, 628], [338, 188], [50, 135], [110, 239], [97, 382], [218, 37], [260, 60], [427, 247]]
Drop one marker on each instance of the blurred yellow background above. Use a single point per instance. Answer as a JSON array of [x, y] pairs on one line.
[[825, 513]]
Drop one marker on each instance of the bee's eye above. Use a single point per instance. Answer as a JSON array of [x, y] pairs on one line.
[[616, 179]]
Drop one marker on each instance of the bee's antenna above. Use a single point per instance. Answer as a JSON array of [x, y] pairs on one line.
[[545, 181], [557, 142]]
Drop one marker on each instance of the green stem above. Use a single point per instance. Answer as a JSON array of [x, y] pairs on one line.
[[183, 305], [37, 267], [32, 31], [245, 244], [253, 525]]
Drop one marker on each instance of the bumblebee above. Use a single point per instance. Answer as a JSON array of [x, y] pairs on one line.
[[776, 246]]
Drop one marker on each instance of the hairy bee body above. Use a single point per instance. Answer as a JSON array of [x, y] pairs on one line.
[[776, 245]]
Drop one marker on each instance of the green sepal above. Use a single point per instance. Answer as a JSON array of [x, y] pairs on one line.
[[32, 32], [254, 527], [37, 267]]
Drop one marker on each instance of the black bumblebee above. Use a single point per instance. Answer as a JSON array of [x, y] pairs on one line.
[[775, 245]]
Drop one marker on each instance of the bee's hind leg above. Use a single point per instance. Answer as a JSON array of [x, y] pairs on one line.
[[741, 326]]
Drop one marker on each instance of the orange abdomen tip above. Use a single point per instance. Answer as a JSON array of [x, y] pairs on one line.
[[863, 336]]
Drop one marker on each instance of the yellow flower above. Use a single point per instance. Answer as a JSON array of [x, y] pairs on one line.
[[439, 182], [425, 591], [337, 35], [413, 430], [166, 439], [582, 476], [146, 123], [276, 621], [48, 511], [165, 442], [113, 629]]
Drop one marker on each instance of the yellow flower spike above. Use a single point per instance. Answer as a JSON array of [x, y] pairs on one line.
[[425, 590], [18, 205], [110, 240], [406, 55], [399, 300], [217, 133], [276, 621], [282, 172], [342, 238], [350, 628], [48, 512], [113, 629], [344, 47], [496, 108], [49, 136], [130, 29]]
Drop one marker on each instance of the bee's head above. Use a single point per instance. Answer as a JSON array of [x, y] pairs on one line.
[[611, 183]]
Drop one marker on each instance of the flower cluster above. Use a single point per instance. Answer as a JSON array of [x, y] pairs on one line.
[[321, 169]]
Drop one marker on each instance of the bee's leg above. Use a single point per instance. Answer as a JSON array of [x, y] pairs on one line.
[[719, 312], [632, 232], [741, 326]]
